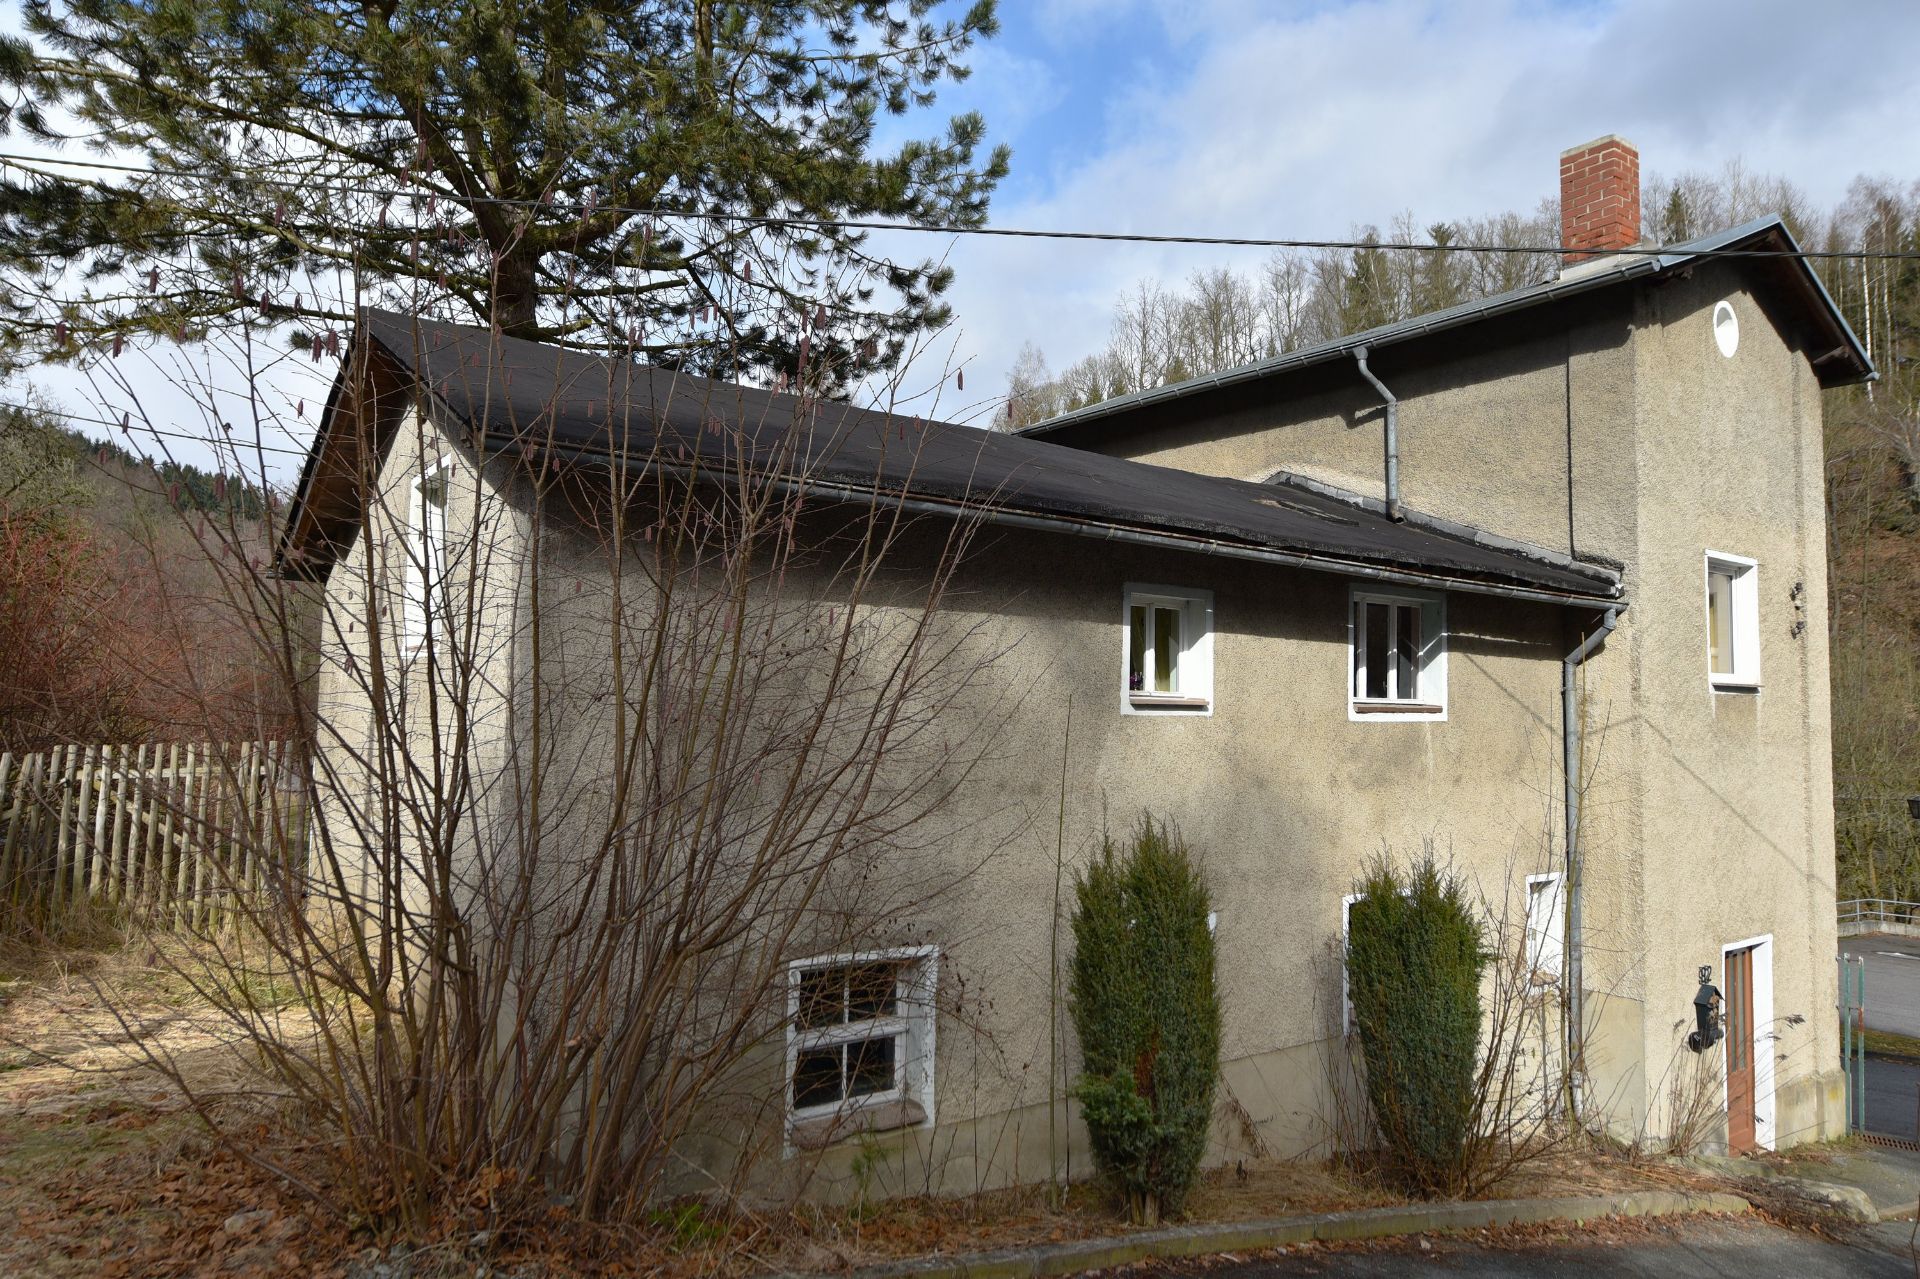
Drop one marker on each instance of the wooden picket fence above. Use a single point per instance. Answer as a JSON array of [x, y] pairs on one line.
[[172, 829]]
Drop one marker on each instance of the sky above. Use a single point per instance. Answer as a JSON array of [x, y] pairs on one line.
[[1306, 120]]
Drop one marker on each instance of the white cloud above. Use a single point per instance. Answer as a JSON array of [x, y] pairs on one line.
[[1303, 122]]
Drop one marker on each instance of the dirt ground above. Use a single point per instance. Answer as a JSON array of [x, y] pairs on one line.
[[108, 1170], [105, 1169]]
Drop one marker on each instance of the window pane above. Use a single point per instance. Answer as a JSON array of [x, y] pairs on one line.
[[1720, 622], [1137, 650], [870, 1066], [1538, 899], [816, 1077], [1166, 650], [1407, 651], [823, 997], [871, 992], [1379, 660]]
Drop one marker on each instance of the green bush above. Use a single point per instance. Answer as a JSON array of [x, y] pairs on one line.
[[1142, 995], [1415, 955]]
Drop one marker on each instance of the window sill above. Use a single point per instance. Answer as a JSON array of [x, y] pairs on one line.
[[1733, 684], [1166, 701], [820, 1131], [1397, 708]]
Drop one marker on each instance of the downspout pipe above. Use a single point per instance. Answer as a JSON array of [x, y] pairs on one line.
[[1393, 434], [1570, 769]]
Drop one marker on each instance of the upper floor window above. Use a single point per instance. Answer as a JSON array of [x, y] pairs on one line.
[[1398, 655], [426, 550], [1733, 621], [1169, 653]]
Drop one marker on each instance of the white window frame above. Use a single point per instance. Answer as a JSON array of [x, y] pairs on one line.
[[1546, 939], [426, 554], [914, 1025], [1195, 663], [1745, 603], [1346, 981], [1432, 704]]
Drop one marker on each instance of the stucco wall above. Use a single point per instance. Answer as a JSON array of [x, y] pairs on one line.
[[1282, 794], [1737, 785], [379, 724], [1616, 429], [1623, 435]]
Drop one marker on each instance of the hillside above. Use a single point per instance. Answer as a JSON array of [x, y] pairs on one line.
[[128, 596]]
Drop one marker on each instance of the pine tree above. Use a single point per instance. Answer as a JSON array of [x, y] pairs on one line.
[[1676, 220], [1366, 299], [482, 158], [1437, 283]]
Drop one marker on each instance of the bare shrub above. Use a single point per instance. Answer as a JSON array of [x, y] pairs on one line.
[[590, 764]]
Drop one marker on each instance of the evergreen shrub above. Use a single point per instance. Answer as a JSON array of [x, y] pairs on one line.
[[1142, 995], [1415, 955]]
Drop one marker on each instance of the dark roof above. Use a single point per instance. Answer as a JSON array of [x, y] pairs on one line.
[[537, 400], [1838, 357]]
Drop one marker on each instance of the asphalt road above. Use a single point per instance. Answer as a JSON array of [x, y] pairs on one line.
[[1893, 980], [1893, 1096], [1678, 1248]]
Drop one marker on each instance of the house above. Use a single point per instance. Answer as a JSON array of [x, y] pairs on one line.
[[1540, 578]]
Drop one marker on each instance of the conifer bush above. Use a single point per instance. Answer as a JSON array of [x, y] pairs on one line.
[[1142, 995], [1416, 952]]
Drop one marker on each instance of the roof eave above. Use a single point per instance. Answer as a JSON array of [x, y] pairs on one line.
[[1608, 593], [1858, 367]]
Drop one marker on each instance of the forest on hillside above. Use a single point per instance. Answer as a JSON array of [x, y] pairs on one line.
[[1219, 318], [122, 615]]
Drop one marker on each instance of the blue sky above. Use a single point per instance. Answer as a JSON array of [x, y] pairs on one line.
[[1305, 120]]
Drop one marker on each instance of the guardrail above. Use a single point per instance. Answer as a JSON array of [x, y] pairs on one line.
[[1870, 914]]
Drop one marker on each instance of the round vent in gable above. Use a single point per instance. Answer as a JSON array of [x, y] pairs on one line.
[[1726, 328]]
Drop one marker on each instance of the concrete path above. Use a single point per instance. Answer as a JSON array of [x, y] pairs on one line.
[[1691, 1248], [1893, 980]]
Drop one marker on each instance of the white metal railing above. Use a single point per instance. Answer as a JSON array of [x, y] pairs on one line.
[[1879, 910]]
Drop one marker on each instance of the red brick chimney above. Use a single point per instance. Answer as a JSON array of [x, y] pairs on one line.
[[1599, 197]]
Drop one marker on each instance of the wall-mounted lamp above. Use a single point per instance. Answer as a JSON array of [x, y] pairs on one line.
[[1706, 1013]]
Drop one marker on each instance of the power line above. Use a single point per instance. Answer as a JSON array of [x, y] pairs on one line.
[[131, 430], [27, 164]]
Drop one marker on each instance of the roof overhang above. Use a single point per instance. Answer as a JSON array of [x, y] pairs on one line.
[[1837, 356], [552, 407]]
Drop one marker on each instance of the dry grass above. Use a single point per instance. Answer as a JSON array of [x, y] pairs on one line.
[[110, 1172]]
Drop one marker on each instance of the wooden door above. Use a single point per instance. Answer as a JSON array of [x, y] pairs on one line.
[[1740, 1070]]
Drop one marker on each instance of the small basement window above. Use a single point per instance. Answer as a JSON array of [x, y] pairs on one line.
[[860, 1034], [1169, 650], [1733, 621], [1397, 649]]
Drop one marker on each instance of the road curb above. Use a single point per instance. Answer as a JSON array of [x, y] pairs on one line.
[[1245, 1236]]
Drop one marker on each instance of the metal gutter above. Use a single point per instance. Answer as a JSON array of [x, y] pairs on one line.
[[1106, 531], [1392, 433], [1436, 322], [1570, 772]]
